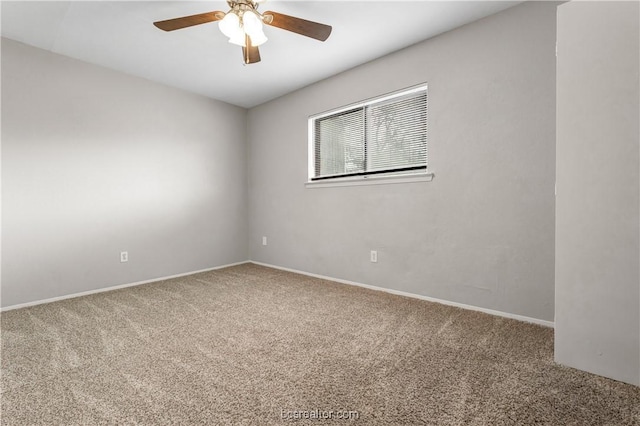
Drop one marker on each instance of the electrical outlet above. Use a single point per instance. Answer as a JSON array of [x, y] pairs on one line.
[[264, 241], [374, 256], [124, 256]]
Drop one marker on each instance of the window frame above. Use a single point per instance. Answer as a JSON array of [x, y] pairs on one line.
[[409, 172]]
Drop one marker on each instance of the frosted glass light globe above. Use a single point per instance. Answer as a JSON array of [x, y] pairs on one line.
[[252, 23], [230, 25]]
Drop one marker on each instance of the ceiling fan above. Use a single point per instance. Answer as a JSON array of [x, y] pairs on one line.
[[243, 25]]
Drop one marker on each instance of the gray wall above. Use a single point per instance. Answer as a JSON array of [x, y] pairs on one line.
[[597, 208], [95, 162], [482, 233]]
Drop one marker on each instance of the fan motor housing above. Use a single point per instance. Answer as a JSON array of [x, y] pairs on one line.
[[242, 4]]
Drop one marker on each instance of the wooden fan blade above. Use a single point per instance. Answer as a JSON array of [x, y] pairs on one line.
[[297, 25], [189, 21], [250, 54]]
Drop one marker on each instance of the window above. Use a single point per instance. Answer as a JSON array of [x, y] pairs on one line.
[[382, 136]]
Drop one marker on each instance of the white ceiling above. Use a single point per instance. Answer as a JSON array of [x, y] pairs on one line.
[[120, 35]]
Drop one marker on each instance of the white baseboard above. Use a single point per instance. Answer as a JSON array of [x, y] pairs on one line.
[[371, 287], [115, 287], [523, 318]]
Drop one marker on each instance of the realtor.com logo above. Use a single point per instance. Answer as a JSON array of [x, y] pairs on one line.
[[319, 415]]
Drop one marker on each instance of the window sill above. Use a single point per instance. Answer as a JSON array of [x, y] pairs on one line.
[[371, 180]]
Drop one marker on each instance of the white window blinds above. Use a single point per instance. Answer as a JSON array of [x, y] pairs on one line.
[[384, 135]]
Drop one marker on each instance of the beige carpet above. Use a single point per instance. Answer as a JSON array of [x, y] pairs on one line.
[[251, 345]]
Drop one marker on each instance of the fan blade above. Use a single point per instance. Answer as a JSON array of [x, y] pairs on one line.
[[297, 25], [250, 54], [189, 21]]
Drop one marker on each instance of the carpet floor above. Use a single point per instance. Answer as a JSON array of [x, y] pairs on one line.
[[258, 346]]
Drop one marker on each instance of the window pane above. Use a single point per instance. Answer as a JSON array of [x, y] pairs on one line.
[[339, 143], [397, 133]]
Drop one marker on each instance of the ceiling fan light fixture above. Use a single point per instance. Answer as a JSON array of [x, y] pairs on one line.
[[243, 25]]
